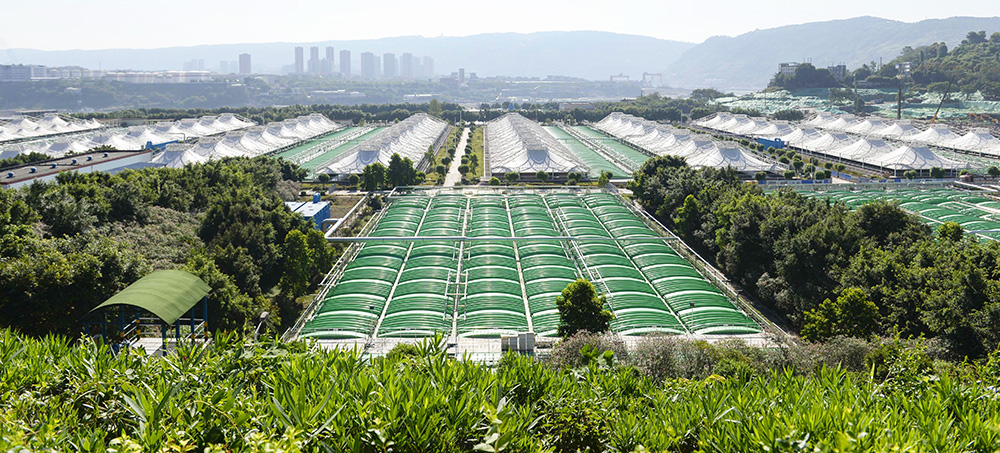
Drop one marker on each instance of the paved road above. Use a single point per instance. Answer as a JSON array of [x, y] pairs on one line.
[[454, 178]]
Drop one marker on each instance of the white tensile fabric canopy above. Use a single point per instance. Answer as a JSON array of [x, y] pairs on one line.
[[724, 155], [841, 123], [517, 144], [898, 131], [801, 135], [775, 129], [867, 126], [820, 120], [179, 158], [409, 138], [937, 134], [827, 141], [48, 125], [909, 157], [863, 150], [977, 139]]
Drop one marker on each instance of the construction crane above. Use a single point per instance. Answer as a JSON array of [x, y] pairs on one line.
[[945, 96]]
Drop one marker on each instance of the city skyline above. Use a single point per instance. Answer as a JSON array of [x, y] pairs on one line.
[[663, 20]]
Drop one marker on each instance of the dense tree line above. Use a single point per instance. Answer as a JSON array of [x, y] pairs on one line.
[[653, 107], [973, 66], [66, 246], [262, 115], [832, 271], [102, 94], [805, 76]]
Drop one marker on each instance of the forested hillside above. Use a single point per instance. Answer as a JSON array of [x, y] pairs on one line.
[[875, 271], [67, 246], [972, 66]]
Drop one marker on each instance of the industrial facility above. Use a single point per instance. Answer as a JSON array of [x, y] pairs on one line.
[[480, 263]]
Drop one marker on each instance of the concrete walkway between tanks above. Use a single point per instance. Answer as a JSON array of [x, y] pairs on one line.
[[454, 178]]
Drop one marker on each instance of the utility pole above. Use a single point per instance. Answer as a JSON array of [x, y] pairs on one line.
[[899, 100]]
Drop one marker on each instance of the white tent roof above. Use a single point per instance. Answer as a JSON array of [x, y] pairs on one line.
[[50, 124], [977, 139], [937, 134], [729, 155], [671, 143], [60, 148], [734, 123], [897, 131], [774, 130], [116, 141], [695, 147], [820, 119], [841, 123], [827, 141], [141, 135], [714, 121], [215, 149], [867, 126], [179, 158], [801, 135], [751, 127], [909, 157], [409, 138], [863, 150], [515, 143]]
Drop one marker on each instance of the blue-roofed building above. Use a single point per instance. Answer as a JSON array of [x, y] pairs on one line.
[[316, 211]]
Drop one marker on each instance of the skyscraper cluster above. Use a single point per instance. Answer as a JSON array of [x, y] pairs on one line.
[[373, 66]]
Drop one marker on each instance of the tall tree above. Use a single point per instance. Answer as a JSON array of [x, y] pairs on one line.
[[401, 171], [298, 265], [434, 108], [373, 177], [851, 314], [581, 308]]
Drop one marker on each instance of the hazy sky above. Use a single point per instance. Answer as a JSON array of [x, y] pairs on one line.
[[99, 24]]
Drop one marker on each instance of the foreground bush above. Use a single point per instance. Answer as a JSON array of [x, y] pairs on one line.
[[286, 397]]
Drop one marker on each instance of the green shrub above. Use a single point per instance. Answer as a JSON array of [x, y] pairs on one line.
[[573, 425], [403, 350], [897, 361], [567, 353]]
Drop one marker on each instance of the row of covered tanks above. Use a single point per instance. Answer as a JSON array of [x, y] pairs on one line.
[[896, 146]]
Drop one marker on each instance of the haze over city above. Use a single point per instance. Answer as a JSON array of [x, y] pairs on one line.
[[127, 24]]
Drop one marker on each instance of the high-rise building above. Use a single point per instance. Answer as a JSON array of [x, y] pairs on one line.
[[223, 67], [345, 63], [194, 65], [299, 61], [367, 65], [418, 68], [428, 67], [314, 60], [329, 53], [245, 63], [406, 66], [461, 75], [390, 67]]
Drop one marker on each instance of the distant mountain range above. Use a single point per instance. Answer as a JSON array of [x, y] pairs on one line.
[[587, 54], [750, 60], [746, 61]]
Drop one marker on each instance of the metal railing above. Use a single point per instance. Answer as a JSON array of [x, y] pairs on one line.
[[700, 264]]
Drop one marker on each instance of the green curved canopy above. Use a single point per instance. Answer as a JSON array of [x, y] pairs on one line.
[[167, 294]]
